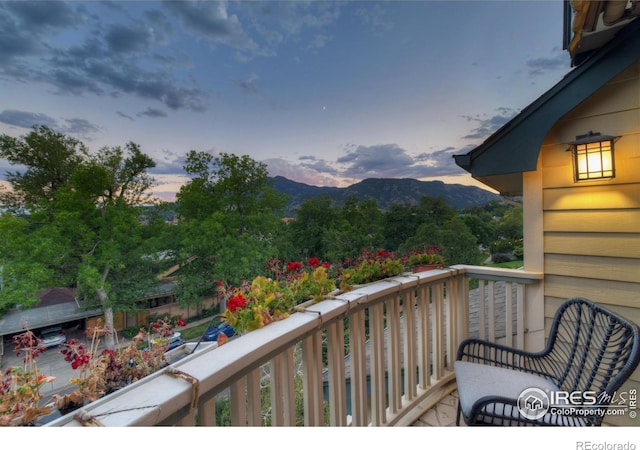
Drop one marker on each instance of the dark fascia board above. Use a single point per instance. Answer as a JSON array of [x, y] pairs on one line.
[[515, 146]]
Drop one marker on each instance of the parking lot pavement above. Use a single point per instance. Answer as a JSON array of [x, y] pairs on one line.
[[50, 362]]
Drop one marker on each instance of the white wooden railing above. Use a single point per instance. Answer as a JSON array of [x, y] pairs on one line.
[[370, 356]]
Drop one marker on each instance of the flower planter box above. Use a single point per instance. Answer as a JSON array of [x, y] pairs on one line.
[[425, 267]]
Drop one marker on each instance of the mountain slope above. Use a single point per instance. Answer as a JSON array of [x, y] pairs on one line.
[[386, 192]]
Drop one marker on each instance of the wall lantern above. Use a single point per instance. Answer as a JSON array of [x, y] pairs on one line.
[[593, 156]]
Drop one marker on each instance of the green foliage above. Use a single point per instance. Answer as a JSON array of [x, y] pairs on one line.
[[82, 228], [511, 224], [369, 267], [459, 244], [49, 158], [230, 217]]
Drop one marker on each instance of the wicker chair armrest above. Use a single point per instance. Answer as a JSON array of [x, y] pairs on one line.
[[485, 352]]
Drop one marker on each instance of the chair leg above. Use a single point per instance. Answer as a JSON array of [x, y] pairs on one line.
[[458, 414]]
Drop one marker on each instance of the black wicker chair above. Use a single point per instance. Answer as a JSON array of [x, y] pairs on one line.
[[590, 352]]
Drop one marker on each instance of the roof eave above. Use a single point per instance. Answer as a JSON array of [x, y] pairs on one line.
[[514, 147]]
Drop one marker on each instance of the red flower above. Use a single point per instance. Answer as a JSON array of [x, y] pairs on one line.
[[181, 322], [220, 283], [326, 265], [313, 262], [293, 266], [383, 253], [236, 302]]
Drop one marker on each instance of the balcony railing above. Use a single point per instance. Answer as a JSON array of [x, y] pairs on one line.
[[377, 355]]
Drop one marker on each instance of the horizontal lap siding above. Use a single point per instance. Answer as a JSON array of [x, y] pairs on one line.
[[591, 230]]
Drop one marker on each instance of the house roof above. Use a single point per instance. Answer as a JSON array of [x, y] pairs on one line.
[[58, 305], [513, 149]]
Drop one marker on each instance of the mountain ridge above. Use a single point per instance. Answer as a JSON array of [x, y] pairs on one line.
[[386, 192]]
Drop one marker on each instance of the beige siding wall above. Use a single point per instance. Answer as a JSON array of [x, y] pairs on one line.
[[591, 230]]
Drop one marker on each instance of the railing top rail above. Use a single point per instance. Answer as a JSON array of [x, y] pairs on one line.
[[500, 274]]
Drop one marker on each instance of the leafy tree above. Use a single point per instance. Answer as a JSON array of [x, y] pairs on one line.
[[458, 243], [50, 159], [400, 222], [510, 227], [309, 231], [230, 217], [359, 227], [483, 230], [80, 225]]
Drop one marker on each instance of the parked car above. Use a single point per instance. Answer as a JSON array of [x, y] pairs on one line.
[[175, 341], [216, 327], [52, 336]]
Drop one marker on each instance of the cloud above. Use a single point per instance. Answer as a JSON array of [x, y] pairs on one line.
[[24, 26], [299, 173], [126, 116], [558, 61], [319, 165], [279, 22], [41, 15], [127, 39], [24, 119], [360, 162], [80, 127], [377, 161], [392, 161], [487, 126], [376, 17], [170, 164], [211, 21], [111, 59], [89, 68], [319, 41], [249, 87], [153, 113]]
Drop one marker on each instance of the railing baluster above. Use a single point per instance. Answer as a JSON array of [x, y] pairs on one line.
[[288, 388], [358, 368], [482, 334], [508, 313], [424, 337], [207, 412], [337, 378], [376, 364], [237, 394], [275, 382], [312, 380], [438, 330], [520, 316], [410, 348], [254, 400], [394, 354], [491, 309]]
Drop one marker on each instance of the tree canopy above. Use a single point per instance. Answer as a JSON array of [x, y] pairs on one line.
[[79, 224], [230, 217]]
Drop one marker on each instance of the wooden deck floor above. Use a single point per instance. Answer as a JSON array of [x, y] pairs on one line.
[[442, 414]]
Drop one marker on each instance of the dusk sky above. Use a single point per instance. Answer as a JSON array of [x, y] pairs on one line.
[[325, 93]]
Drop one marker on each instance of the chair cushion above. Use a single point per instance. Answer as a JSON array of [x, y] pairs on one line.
[[476, 381]]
